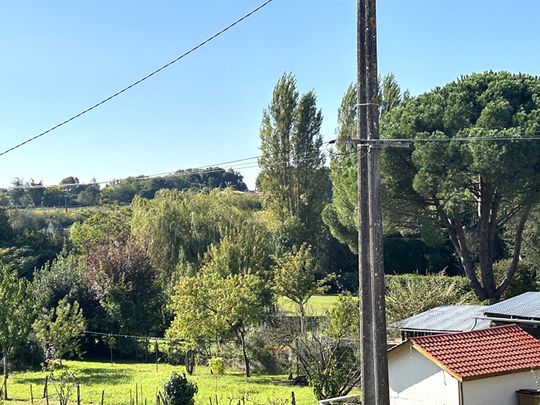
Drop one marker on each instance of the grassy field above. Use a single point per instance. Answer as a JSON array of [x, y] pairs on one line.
[[316, 306], [118, 379]]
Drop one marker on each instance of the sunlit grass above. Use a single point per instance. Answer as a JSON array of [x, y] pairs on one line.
[[318, 305], [119, 380]]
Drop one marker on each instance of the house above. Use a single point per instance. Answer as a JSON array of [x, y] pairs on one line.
[[479, 367], [523, 309], [444, 319]]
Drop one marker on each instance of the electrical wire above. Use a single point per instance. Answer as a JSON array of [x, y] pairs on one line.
[[148, 76], [90, 332], [243, 163]]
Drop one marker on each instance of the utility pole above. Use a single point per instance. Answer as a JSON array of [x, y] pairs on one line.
[[375, 387], [365, 297]]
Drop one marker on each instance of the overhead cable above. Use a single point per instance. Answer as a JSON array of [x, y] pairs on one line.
[[148, 76]]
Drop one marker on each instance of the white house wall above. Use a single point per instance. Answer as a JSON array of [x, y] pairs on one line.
[[414, 380], [500, 390]]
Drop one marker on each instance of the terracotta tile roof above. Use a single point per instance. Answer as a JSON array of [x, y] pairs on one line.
[[482, 353]]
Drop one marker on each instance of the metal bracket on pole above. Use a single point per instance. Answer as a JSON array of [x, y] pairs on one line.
[[378, 143]]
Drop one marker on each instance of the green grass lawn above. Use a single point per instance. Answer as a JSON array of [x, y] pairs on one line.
[[316, 306], [118, 379]]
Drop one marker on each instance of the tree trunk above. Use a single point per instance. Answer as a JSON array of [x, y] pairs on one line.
[[5, 365], [486, 211], [518, 239], [241, 336], [457, 237], [302, 311]]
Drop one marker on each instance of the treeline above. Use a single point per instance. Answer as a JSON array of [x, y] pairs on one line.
[[70, 193]]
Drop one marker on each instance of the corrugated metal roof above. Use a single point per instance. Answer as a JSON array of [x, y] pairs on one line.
[[526, 305], [448, 318]]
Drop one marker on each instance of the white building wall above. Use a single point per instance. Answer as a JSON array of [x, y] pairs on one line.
[[500, 390], [414, 380]]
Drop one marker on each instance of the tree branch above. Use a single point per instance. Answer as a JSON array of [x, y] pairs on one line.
[[518, 239]]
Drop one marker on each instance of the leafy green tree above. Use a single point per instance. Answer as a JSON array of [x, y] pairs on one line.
[[228, 295], [120, 277], [177, 228], [341, 215], [101, 228], [59, 279], [478, 192], [58, 330], [6, 230], [53, 197], [16, 193], [88, 196], [35, 191], [16, 315], [293, 179], [294, 278], [209, 305]]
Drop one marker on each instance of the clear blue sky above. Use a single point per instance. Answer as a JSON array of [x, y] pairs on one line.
[[60, 57]]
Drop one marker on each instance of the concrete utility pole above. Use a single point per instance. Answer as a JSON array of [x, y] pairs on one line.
[[370, 242]]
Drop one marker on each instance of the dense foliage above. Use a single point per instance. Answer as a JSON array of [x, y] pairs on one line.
[[293, 179], [475, 189], [179, 390]]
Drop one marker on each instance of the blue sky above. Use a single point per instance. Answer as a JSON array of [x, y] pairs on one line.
[[60, 57]]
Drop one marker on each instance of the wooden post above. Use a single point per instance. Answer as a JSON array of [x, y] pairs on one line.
[[31, 395], [375, 210], [102, 396], [157, 355], [5, 367], [293, 398], [78, 394], [365, 290], [46, 392], [162, 399]]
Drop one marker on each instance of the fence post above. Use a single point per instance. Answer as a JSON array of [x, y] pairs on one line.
[[293, 399], [46, 390], [78, 394], [102, 396], [31, 395]]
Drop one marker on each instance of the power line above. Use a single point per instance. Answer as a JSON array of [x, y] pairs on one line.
[[404, 142], [89, 332], [252, 161], [243, 163], [148, 76]]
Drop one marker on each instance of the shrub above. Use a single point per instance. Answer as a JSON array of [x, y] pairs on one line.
[[216, 365], [411, 294], [179, 390]]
